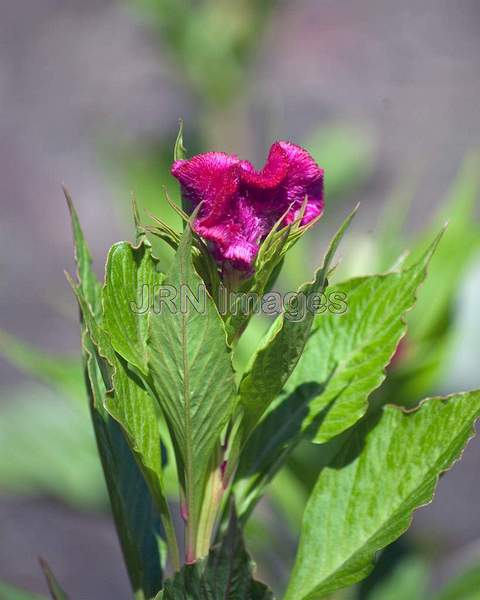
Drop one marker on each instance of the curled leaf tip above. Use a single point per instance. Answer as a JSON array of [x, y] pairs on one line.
[[68, 197], [179, 150]]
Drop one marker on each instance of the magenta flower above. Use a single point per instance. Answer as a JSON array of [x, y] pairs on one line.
[[241, 205]]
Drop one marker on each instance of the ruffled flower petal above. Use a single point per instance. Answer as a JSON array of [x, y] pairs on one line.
[[211, 179], [240, 205]]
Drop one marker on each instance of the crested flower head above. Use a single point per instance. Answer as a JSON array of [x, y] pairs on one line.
[[240, 205]]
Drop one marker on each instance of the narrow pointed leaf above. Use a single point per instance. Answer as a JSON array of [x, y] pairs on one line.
[[179, 150], [54, 587], [364, 499], [88, 281], [180, 153]]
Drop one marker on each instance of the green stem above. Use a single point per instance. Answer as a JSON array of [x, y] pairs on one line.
[[190, 530], [211, 506]]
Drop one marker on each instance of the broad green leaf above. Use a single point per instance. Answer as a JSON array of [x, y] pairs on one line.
[[132, 406], [465, 586], [131, 277], [280, 351], [346, 355], [55, 589], [343, 362], [64, 374], [192, 375], [364, 499], [8, 592], [227, 574], [134, 511], [126, 400]]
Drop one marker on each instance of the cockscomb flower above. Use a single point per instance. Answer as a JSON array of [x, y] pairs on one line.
[[240, 205]]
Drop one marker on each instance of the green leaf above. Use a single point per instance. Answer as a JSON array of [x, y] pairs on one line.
[[131, 275], [8, 592], [279, 352], [268, 448], [165, 233], [346, 354], [88, 281], [123, 395], [179, 153], [192, 376], [135, 409], [364, 499], [463, 587], [179, 150], [132, 406], [54, 587], [227, 574], [134, 511], [343, 362]]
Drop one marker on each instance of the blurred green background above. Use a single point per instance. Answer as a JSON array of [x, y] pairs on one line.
[[385, 97]]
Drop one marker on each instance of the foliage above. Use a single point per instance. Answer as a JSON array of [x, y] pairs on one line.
[[181, 406], [180, 360], [364, 497], [164, 396]]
